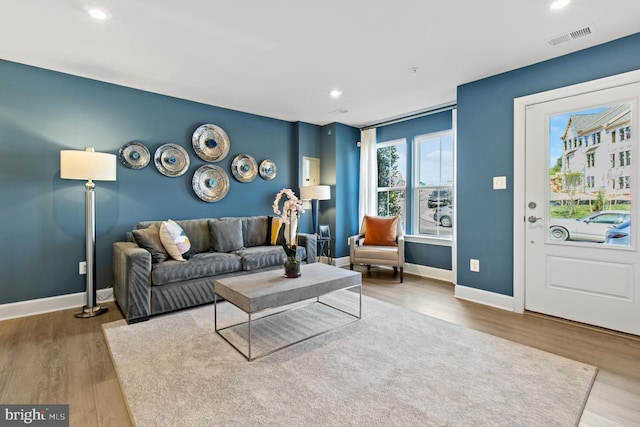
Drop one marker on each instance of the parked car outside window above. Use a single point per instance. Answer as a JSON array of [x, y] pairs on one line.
[[619, 235], [591, 228], [441, 197], [444, 215]]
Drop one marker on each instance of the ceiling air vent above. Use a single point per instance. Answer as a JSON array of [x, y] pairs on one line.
[[571, 35], [339, 111]]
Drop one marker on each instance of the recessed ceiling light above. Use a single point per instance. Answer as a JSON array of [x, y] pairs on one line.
[[335, 93], [98, 13], [559, 4]]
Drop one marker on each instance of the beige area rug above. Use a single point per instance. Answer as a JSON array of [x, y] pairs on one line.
[[393, 367]]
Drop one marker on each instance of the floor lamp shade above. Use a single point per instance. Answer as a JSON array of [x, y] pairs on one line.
[[315, 193], [89, 165]]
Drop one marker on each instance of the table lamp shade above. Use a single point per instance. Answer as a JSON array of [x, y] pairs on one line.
[[87, 165], [315, 192]]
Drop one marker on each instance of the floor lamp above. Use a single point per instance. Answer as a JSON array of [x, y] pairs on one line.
[[315, 193], [89, 165]]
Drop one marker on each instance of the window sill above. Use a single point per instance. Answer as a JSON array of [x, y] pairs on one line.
[[428, 240]]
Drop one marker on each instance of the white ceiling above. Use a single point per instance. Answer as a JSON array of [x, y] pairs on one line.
[[280, 58]]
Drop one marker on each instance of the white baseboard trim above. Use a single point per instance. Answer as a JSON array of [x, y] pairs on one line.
[[341, 262], [417, 269], [430, 272], [46, 305], [492, 299]]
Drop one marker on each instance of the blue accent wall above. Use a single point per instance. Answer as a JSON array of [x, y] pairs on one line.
[[485, 149], [42, 216], [309, 145], [435, 256], [347, 186], [339, 168]]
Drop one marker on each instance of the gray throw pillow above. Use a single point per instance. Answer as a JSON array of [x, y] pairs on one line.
[[149, 239], [226, 234], [254, 230]]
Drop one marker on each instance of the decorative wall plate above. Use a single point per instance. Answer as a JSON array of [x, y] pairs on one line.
[[244, 168], [210, 143], [171, 160], [268, 169], [210, 183], [134, 155]]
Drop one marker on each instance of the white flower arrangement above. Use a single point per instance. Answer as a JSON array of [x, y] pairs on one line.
[[292, 208]]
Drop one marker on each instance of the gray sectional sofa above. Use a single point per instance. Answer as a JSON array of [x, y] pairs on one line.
[[145, 284]]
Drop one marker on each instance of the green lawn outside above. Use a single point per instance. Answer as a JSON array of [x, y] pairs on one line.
[[581, 211]]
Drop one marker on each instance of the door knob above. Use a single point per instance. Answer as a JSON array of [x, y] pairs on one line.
[[532, 219]]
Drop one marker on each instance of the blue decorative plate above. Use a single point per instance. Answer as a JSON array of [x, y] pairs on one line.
[[210, 183], [210, 143], [244, 168], [134, 155], [171, 160], [268, 169]]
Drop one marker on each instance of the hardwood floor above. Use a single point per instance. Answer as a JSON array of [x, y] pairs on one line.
[[56, 358]]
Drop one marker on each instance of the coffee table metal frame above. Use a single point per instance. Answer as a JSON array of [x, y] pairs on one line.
[[248, 354]]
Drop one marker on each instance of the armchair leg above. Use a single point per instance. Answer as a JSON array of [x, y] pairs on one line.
[[369, 267], [351, 266], [401, 274]]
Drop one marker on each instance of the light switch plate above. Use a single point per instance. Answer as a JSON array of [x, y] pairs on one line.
[[499, 182]]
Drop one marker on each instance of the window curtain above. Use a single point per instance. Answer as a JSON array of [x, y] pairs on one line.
[[368, 174]]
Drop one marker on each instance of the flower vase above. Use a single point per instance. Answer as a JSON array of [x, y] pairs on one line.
[[291, 230], [292, 267]]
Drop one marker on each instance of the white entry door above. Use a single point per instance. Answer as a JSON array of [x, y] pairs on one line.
[[580, 153]]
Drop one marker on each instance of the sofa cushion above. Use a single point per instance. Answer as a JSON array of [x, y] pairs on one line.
[[174, 239], [149, 239], [199, 265], [226, 234], [196, 229], [254, 230], [258, 257], [275, 232], [198, 232]]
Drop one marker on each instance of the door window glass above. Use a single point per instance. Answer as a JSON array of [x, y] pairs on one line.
[[589, 191]]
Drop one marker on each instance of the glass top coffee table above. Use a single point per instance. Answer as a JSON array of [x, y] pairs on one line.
[[255, 293]]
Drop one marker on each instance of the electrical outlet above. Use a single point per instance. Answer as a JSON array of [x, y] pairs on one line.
[[474, 265], [82, 267]]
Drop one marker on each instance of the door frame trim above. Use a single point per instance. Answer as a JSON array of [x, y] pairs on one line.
[[519, 163]]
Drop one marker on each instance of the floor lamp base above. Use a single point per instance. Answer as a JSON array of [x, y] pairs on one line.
[[94, 311]]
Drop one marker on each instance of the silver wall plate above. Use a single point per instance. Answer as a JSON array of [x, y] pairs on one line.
[[210, 183], [244, 168], [171, 160], [210, 143], [134, 155], [268, 169]]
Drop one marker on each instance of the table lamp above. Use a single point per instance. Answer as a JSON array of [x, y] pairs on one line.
[[89, 165], [315, 193]]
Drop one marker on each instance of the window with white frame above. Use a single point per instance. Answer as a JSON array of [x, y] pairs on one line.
[[433, 184], [392, 172]]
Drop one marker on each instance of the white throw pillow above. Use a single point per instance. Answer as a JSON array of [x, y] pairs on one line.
[[174, 240]]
